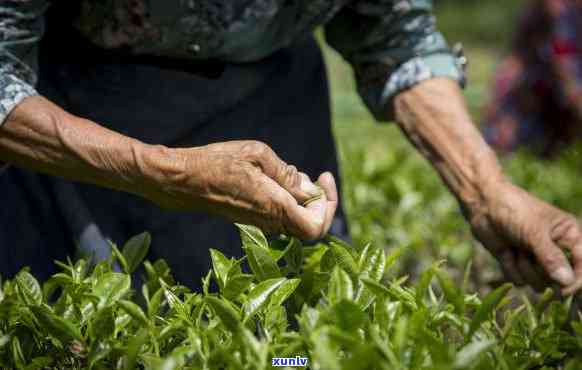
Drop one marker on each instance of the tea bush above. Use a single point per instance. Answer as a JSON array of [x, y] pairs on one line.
[[330, 303]]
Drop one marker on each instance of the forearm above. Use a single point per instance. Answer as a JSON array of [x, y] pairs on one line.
[[433, 116], [40, 136]]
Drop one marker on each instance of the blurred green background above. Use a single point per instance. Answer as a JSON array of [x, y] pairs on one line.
[[394, 198]]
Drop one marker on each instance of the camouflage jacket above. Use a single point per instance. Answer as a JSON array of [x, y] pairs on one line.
[[391, 44]]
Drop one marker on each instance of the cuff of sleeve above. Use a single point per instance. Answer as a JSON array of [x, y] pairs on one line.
[[408, 74], [12, 92]]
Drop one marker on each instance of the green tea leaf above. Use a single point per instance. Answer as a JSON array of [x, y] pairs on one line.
[[236, 285], [56, 281], [155, 303], [364, 297], [329, 238], [294, 255], [376, 287], [393, 256], [344, 259], [115, 252], [170, 363], [29, 288], [252, 235], [133, 350], [283, 292], [111, 286], [220, 265], [56, 326], [372, 263], [451, 292], [394, 291], [98, 352], [348, 316], [261, 262], [103, 324], [17, 355], [4, 340], [544, 300], [340, 286], [468, 356], [466, 277], [313, 256], [484, 312], [227, 314], [324, 352], [135, 250], [424, 282], [258, 296], [278, 248], [39, 363], [174, 301], [134, 311]]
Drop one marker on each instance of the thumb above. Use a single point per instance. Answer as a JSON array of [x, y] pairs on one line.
[[554, 262]]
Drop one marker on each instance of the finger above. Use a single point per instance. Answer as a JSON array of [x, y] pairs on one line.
[[314, 219], [568, 236], [309, 188], [554, 262], [287, 216], [287, 176], [576, 253], [327, 183], [307, 223]]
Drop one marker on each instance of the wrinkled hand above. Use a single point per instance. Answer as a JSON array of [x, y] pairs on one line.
[[529, 238], [246, 182]]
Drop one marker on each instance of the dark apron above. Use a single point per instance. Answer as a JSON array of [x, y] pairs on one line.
[[282, 100]]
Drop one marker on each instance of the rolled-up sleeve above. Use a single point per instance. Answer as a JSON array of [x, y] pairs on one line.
[[21, 27], [392, 45]]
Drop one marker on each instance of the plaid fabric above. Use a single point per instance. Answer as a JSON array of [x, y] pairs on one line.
[[392, 44]]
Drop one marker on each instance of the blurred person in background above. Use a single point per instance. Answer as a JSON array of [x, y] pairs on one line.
[[537, 96], [221, 108]]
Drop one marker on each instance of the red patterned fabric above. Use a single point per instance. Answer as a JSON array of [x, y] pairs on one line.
[[537, 94]]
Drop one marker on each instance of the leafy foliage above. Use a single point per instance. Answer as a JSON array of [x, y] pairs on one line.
[[331, 303]]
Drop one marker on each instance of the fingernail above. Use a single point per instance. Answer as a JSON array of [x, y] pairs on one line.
[[310, 188], [563, 275]]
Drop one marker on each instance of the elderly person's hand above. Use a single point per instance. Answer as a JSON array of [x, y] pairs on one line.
[[528, 237], [245, 181]]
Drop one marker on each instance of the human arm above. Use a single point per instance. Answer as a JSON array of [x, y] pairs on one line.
[[241, 181], [406, 72], [513, 225]]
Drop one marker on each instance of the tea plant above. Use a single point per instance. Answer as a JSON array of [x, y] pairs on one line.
[[330, 303]]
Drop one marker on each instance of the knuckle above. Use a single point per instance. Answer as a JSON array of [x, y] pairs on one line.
[[276, 213], [571, 230], [563, 225], [291, 175], [256, 148], [549, 259]]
